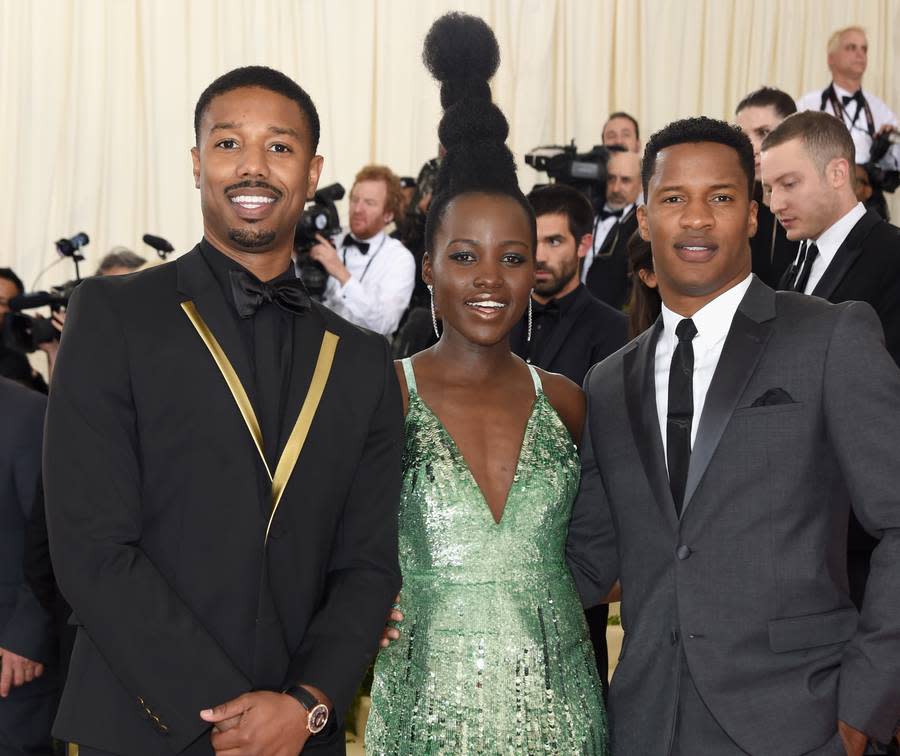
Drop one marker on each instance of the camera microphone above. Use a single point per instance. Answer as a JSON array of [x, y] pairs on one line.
[[70, 247], [161, 246]]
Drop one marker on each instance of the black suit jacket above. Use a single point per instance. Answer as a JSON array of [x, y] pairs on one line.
[[771, 251], [188, 589], [589, 332], [607, 278]]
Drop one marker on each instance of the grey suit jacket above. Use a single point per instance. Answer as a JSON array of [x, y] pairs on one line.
[[751, 583]]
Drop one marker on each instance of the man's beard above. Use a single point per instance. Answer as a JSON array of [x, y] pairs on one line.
[[558, 279], [251, 240]]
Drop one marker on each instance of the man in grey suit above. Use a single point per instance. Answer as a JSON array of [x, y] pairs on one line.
[[718, 491], [28, 692]]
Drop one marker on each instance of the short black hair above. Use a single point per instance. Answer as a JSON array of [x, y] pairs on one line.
[[559, 199], [769, 96], [461, 52], [694, 131], [9, 275], [264, 78], [623, 114]]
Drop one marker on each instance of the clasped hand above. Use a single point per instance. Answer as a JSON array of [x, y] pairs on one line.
[[258, 724]]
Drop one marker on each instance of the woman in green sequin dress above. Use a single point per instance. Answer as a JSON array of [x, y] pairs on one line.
[[493, 655]]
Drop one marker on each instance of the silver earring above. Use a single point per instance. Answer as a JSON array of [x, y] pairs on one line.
[[437, 334], [529, 314]]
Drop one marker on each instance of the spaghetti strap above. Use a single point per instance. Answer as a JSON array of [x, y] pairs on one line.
[[538, 386], [410, 375]]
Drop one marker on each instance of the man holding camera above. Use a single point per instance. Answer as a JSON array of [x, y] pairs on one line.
[[870, 121], [371, 274], [605, 270]]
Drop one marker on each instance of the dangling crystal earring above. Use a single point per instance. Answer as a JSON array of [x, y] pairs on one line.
[[437, 333], [529, 314]]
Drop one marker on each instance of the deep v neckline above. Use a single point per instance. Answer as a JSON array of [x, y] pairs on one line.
[[456, 451]]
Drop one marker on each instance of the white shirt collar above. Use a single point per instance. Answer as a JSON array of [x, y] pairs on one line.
[[831, 238], [713, 320], [841, 92]]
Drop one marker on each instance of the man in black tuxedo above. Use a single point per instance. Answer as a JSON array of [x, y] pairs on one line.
[[27, 691], [723, 450], [223, 469], [605, 269], [571, 329], [758, 114], [847, 252]]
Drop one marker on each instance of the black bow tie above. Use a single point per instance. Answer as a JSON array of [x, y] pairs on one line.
[[250, 293], [551, 309], [349, 241], [604, 213], [857, 95]]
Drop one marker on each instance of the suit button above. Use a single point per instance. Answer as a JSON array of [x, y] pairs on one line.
[[683, 552]]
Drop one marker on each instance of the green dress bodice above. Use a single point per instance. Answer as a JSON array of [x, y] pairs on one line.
[[493, 656]]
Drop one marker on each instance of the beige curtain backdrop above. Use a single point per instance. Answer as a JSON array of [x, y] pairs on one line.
[[97, 96]]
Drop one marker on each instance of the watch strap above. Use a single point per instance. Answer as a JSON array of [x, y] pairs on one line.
[[307, 700]]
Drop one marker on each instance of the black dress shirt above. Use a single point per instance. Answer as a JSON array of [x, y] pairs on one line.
[[268, 337]]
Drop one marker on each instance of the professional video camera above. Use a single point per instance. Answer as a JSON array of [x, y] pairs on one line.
[[584, 171], [25, 333], [321, 217], [883, 179]]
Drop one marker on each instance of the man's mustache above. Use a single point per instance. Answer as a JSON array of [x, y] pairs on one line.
[[254, 185]]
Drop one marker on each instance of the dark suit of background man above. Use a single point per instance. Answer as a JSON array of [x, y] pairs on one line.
[[758, 114], [847, 252], [207, 572], [571, 330], [605, 269], [723, 451], [27, 691]]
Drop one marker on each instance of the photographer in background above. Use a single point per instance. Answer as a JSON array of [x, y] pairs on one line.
[[871, 123], [13, 363], [622, 129], [370, 274], [120, 261], [605, 269]]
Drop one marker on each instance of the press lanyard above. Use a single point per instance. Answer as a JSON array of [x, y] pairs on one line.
[[829, 95], [371, 259]]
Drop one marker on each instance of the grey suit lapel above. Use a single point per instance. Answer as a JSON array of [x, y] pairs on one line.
[[640, 399], [743, 348], [847, 254]]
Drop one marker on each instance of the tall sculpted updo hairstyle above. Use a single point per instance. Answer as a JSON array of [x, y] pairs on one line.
[[461, 52]]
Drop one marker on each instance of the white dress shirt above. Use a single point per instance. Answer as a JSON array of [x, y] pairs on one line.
[[881, 115], [828, 243], [602, 229], [713, 321], [380, 284]]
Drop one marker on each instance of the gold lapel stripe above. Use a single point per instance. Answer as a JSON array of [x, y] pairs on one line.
[[231, 378], [297, 439], [291, 452]]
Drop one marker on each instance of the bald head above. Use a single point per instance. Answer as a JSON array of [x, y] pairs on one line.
[[623, 181]]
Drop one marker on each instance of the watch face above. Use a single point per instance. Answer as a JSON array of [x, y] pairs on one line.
[[318, 718]]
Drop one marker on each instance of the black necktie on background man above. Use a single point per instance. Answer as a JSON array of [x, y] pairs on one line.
[[808, 254], [680, 414], [349, 241]]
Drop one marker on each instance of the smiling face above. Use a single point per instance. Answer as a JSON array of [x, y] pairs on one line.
[[757, 122], [481, 267], [621, 131], [255, 170], [698, 218], [805, 199]]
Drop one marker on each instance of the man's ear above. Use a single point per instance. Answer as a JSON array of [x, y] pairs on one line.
[[195, 159], [643, 223], [584, 246], [313, 175], [839, 173]]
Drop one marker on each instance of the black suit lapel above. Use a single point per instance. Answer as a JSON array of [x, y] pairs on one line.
[[640, 399], [196, 283], [561, 332], [741, 352], [847, 255]]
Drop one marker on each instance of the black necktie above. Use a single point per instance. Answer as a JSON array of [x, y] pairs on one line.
[[604, 214], [857, 95], [250, 293], [807, 256], [349, 241], [680, 413]]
